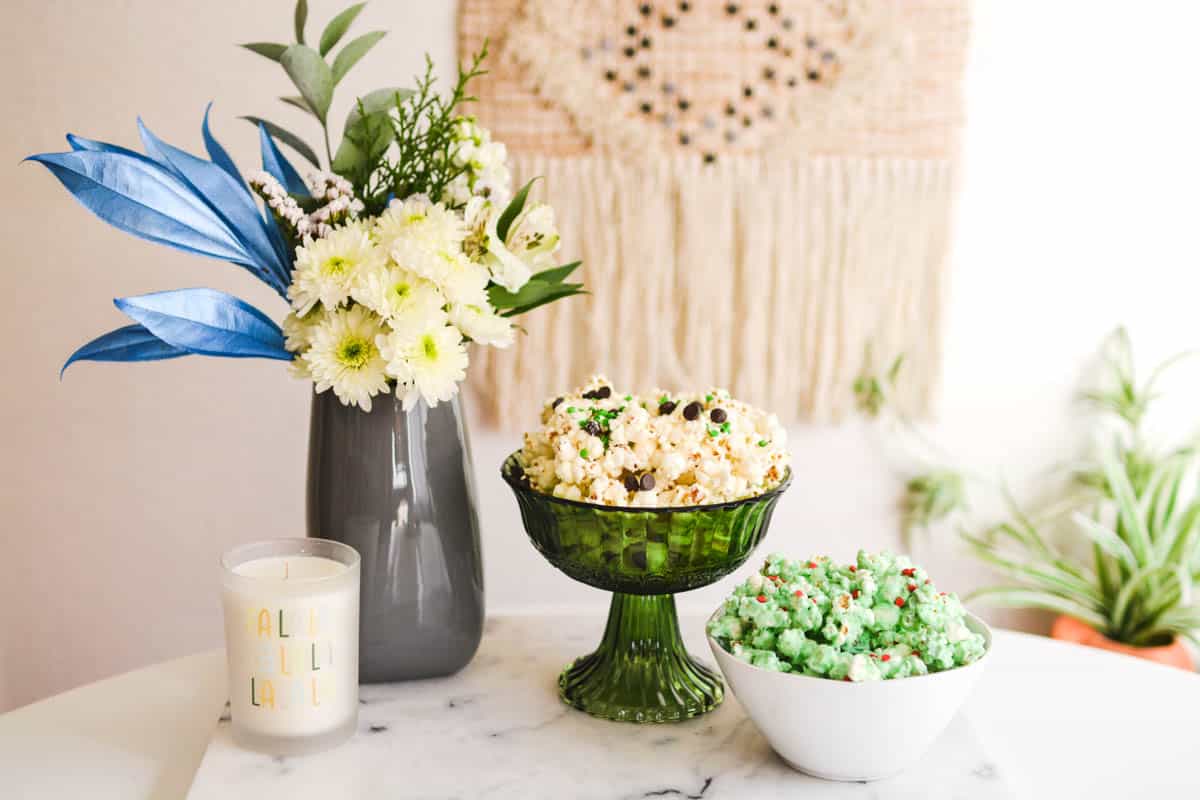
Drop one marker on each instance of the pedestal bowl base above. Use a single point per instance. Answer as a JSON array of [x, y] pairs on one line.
[[641, 671]]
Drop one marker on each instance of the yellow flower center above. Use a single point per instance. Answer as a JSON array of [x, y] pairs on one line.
[[355, 352], [402, 290], [335, 266], [429, 347]]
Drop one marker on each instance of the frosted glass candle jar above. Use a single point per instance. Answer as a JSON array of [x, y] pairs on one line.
[[291, 638]]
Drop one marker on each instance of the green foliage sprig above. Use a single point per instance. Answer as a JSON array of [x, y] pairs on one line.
[[314, 77], [401, 143]]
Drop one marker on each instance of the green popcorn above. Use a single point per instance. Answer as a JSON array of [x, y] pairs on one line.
[[726, 627], [876, 619], [886, 616], [806, 616], [791, 644], [821, 660], [763, 639]]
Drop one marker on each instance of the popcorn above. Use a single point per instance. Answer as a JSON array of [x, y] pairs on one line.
[[661, 450], [877, 619]]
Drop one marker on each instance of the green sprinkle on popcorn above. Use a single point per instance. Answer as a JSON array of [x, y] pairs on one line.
[[877, 619]]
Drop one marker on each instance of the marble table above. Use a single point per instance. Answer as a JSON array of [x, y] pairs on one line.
[[497, 730], [1047, 720]]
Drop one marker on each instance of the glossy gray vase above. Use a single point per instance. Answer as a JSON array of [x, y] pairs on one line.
[[397, 486]]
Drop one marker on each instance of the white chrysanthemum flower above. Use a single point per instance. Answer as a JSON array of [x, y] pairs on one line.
[[427, 365], [394, 294], [328, 268], [420, 223], [483, 325], [298, 330], [458, 278], [345, 356]]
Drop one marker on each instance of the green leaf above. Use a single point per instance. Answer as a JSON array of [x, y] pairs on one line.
[[562, 290], [300, 103], [266, 49], [337, 27], [1108, 541], [534, 293], [1030, 598], [349, 55], [301, 18], [287, 137], [380, 101], [311, 75], [368, 131], [363, 144], [556, 274], [510, 213]]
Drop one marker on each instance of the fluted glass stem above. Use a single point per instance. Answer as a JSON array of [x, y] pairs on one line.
[[641, 671]]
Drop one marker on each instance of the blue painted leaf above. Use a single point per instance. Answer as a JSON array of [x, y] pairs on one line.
[[80, 143], [227, 198], [207, 322], [279, 167], [217, 153], [287, 256], [131, 343], [135, 195]]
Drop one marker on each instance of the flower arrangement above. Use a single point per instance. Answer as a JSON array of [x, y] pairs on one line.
[[409, 245]]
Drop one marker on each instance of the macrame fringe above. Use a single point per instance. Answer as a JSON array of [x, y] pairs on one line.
[[771, 278]]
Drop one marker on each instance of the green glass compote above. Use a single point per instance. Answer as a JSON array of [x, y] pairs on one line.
[[641, 671]]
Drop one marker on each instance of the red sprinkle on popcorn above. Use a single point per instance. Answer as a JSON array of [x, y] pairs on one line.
[[846, 678], [916, 653], [855, 594], [900, 601], [812, 565], [885, 657], [762, 598], [928, 581], [912, 587], [853, 568], [909, 572], [798, 593]]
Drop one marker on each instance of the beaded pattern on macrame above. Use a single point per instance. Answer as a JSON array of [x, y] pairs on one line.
[[831, 77]]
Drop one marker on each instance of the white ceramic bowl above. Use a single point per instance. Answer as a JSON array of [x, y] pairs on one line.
[[845, 731]]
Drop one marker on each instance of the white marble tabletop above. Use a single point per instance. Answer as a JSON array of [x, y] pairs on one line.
[[1047, 720], [497, 730]]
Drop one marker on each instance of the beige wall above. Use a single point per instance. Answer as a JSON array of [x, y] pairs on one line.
[[120, 486]]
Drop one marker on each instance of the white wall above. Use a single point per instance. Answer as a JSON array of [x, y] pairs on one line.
[[123, 483]]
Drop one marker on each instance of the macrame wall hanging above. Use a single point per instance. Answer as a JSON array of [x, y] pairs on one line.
[[761, 192]]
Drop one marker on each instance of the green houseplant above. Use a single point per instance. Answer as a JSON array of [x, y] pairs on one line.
[[1138, 512], [1116, 554]]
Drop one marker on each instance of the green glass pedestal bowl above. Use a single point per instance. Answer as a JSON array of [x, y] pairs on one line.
[[641, 672]]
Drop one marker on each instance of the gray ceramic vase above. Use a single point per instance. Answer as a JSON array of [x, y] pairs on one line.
[[397, 486]]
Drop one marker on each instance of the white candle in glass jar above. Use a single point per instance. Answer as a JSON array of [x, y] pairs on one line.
[[291, 638]]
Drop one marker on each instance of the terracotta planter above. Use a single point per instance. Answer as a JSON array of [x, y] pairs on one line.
[[1069, 629]]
